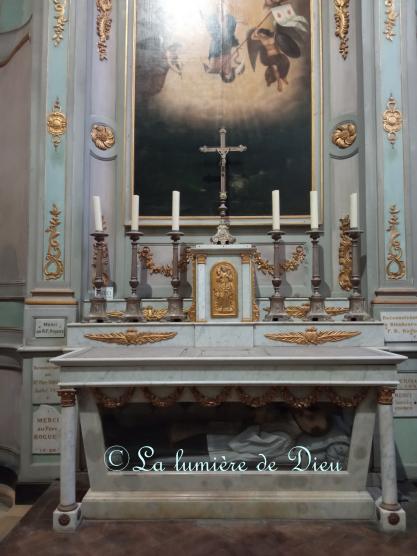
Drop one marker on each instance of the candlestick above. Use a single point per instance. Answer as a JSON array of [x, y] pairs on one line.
[[97, 300], [357, 309], [133, 311], [135, 213], [276, 301], [354, 210], [275, 210], [175, 302], [317, 302], [98, 221], [175, 211], [314, 210]]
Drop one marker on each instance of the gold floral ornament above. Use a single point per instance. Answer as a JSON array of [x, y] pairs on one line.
[[104, 21], [131, 337], [396, 268], [146, 256], [344, 135], [290, 265], [56, 123], [54, 267], [341, 17], [60, 21], [312, 336], [301, 311], [102, 136], [392, 120], [345, 255], [390, 20], [151, 314], [114, 403]]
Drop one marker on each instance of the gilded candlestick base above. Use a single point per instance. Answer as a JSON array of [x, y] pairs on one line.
[[317, 310], [175, 302], [133, 312], [276, 301], [98, 304], [357, 304]]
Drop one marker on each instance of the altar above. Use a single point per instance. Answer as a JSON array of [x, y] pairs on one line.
[[170, 364]]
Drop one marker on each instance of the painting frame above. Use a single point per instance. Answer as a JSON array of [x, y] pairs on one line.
[[316, 77]]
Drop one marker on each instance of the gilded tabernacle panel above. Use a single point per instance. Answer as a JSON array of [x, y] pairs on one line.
[[245, 65]]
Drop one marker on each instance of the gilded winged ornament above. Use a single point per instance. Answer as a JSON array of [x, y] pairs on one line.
[[312, 336], [131, 337]]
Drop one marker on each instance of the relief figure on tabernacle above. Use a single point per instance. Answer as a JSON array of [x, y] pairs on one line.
[[224, 290], [223, 55], [276, 46]]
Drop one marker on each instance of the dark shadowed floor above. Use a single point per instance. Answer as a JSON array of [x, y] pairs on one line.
[[34, 536]]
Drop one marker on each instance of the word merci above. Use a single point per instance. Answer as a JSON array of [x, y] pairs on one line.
[[117, 458]]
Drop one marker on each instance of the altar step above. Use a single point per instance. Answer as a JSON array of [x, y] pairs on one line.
[[229, 505]]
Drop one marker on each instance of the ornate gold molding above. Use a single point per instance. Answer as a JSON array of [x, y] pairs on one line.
[[396, 268], [385, 395], [390, 20], [56, 124], [131, 337], [146, 256], [53, 257], [223, 290], [290, 265], [255, 307], [151, 314], [60, 19], [205, 401], [344, 135], [392, 120], [104, 21], [257, 401], [342, 401], [102, 136], [300, 311], [345, 255], [342, 17], [167, 401], [112, 403], [67, 397], [312, 336]]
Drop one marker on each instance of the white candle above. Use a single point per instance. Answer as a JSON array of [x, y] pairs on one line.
[[314, 210], [175, 210], [97, 214], [275, 210], [135, 213], [354, 210]]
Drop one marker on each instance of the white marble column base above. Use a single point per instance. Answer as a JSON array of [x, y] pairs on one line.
[[390, 521], [65, 522]]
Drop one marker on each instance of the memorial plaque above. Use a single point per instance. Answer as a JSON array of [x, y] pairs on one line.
[[405, 400], [400, 326], [46, 430], [44, 381], [49, 328]]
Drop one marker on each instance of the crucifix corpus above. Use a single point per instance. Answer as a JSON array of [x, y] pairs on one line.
[[223, 236]]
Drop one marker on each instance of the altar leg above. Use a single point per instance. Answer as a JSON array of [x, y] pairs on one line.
[[391, 516], [67, 516]]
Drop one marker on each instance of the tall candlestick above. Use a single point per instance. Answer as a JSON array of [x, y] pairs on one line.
[[135, 213], [275, 210], [354, 210], [175, 211], [314, 209], [97, 214]]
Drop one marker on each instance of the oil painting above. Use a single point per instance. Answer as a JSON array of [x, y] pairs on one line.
[[244, 65]]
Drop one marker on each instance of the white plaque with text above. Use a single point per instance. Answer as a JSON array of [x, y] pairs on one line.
[[405, 399], [400, 326], [49, 328], [44, 381], [46, 430]]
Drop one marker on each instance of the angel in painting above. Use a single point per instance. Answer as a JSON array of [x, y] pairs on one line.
[[275, 47]]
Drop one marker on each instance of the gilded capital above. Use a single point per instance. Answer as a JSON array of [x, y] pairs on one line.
[[201, 259], [385, 395], [67, 397]]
